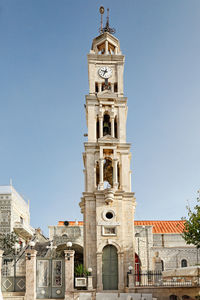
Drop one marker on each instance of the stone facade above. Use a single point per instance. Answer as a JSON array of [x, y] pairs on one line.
[[171, 247], [107, 204]]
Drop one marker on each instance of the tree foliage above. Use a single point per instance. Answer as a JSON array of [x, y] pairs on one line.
[[191, 232], [7, 242]]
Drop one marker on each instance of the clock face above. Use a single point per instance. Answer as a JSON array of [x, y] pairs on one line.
[[105, 72]]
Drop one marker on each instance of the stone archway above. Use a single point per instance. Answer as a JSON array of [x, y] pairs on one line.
[[110, 268], [78, 257]]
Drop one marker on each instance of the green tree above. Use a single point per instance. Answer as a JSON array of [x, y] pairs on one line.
[[191, 233], [7, 242]]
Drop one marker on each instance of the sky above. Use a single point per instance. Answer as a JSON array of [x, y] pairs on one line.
[[43, 83]]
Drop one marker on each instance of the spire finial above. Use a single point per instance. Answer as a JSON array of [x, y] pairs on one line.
[[107, 28]]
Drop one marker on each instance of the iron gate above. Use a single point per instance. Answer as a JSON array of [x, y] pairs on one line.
[[13, 274], [50, 278]]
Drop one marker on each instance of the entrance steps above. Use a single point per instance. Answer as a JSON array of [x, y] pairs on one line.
[[13, 296], [115, 296]]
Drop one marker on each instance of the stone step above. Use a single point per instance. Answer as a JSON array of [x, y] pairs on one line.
[[13, 298]]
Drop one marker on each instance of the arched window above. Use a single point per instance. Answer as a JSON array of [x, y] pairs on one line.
[[106, 125], [97, 174], [97, 128], [116, 133], [173, 297], [108, 171], [183, 263], [185, 297], [118, 175], [162, 265]]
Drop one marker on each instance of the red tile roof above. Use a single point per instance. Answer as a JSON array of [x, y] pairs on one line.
[[163, 226], [158, 226]]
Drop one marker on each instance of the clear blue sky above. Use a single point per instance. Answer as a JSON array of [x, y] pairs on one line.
[[43, 80]]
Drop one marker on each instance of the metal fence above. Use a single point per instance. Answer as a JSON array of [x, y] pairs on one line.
[[155, 278], [13, 274]]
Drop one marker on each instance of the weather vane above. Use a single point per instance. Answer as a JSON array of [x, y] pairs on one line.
[[107, 28]]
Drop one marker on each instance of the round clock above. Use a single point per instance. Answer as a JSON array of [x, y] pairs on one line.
[[105, 72]]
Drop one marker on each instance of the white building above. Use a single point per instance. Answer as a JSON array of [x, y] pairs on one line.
[[14, 213]]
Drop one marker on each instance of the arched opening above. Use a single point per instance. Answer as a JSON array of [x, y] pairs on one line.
[[118, 176], [186, 297], [101, 48], [108, 171], [78, 256], [106, 125], [162, 265], [97, 174], [172, 297], [183, 263], [116, 133], [137, 268], [97, 129], [104, 86], [110, 268]]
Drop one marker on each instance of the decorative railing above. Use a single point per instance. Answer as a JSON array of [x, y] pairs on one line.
[[155, 278]]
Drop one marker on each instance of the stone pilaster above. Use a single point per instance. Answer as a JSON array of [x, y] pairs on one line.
[[69, 274], [1, 255], [99, 272], [89, 283], [130, 281], [30, 274], [121, 271]]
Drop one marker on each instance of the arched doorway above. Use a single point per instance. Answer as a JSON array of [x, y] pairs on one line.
[[137, 268], [110, 268]]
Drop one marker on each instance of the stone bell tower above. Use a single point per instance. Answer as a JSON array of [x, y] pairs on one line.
[[107, 204]]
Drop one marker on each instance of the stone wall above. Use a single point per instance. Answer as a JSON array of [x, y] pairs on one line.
[[163, 293]]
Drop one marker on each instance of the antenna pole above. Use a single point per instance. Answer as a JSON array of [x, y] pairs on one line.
[[101, 10]]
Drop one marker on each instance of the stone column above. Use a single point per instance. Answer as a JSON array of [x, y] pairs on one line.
[[100, 127], [1, 255], [101, 162], [115, 175], [112, 127], [30, 274], [69, 274], [121, 283], [112, 87], [99, 272]]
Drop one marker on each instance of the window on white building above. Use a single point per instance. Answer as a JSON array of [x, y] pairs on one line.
[[183, 263]]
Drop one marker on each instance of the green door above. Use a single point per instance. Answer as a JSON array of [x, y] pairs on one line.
[[110, 268]]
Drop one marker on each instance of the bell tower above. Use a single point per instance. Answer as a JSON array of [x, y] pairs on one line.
[[107, 203]]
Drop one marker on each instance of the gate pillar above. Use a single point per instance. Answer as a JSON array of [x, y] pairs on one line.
[[69, 274], [1, 254], [30, 274]]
